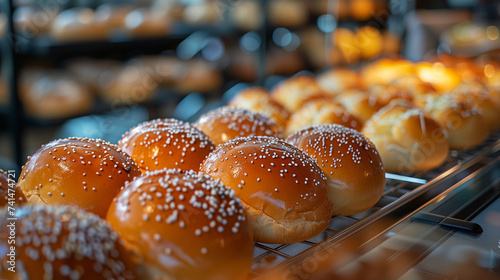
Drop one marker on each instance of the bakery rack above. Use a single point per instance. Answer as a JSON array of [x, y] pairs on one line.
[[403, 194]]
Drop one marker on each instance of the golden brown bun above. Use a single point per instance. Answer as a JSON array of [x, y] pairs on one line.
[[55, 242], [87, 71], [369, 40], [166, 143], [356, 177], [283, 189], [321, 111], [185, 225], [85, 173], [338, 80], [145, 22], [406, 139], [477, 96], [53, 95], [362, 10], [384, 71], [463, 123], [196, 76], [79, 24], [10, 193], [385, 93], [345, 48], [438, 75], [287, 13], [293, 92], [228, 123], [127, 85], [259, 100], [360, 104], [392, 43]]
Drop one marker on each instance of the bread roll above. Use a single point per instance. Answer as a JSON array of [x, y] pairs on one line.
[[338, 80], [321, 111], [258, 99], [79, 24], [166, 143], [406, 138], [185, 225], [228, 123], [203, 12], [55, 242], [356, 177], [283, 189], [478, 97], [463, 123], [247, 15], [438, 75], [53, 95], [369, 40], [345, 48], [360, 104], [287, 13], [10, 194], [196, 76], [384, 71], [293, 92], [84, 173]]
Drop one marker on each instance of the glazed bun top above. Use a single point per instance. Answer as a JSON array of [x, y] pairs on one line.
[[185, 224], [228, 123], [10, 193], [80, 172], [166, 143], [58, 242]]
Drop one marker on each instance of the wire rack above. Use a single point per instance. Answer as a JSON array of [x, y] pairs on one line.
[[267, 256]]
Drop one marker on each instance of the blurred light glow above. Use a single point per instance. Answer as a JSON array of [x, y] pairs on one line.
[[213, 49], [327, 23], [489, 71], [250, 42], [492, 32]]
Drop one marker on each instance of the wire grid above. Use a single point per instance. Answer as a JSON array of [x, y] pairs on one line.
[[267, 256]]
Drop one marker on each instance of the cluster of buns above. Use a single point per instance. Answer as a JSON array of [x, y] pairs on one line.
[[71, 91], [186, 201], [413, 112]]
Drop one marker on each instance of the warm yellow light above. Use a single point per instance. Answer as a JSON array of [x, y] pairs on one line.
[[492, 32], [489, 70]]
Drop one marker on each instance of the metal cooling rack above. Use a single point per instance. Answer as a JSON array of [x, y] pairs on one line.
[[269, 256]]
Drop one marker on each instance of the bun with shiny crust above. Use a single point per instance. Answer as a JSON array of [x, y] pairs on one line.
[[321, 111], [293, 92], [259, 100], [406, 138], [59, 242], [228, 123], [79, 172], [283, 189], [356, 177], [10, 192], [185, 225], [166, 143]]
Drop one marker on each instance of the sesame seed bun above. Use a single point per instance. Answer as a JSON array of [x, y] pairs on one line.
[[321, 111], [259, 100], [55, 242], [283, 189], [356, 177], [185, 224], [228, 123], [80, 172], [166, 143], [10, 193]]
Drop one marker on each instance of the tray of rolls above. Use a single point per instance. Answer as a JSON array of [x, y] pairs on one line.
[[249, 185]]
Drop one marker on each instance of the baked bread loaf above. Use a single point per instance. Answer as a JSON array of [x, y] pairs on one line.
[[166, 143], [79, 172], [59, 242], [228, 123], [406, 138], [356, 177], [185, 225], [258, 99], [283, 189], [321, 111]]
